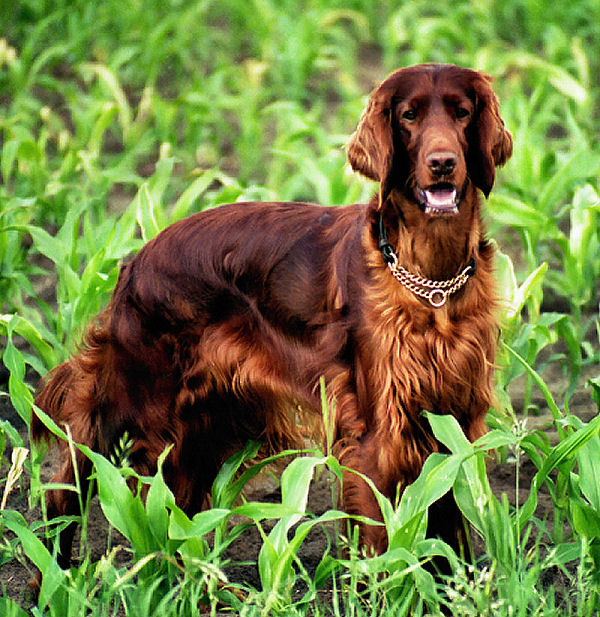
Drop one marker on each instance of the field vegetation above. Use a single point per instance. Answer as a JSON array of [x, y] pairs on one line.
[[121, 116]]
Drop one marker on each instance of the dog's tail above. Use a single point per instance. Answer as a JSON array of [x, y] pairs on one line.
[[71, 393]]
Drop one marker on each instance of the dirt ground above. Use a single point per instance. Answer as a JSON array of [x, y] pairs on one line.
[[243, 553]]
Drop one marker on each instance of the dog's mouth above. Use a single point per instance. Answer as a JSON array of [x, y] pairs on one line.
[[438, 199]]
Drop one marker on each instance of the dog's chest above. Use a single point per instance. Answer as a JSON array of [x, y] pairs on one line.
[[432, 361]]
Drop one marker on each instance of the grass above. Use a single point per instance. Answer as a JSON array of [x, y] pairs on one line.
[[117, 119]]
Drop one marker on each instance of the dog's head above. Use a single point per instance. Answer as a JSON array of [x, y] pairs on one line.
[[428, 131]]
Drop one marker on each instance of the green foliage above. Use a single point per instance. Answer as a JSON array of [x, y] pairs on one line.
[[117, 119]]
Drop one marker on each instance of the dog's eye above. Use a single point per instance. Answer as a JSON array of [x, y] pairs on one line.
[[410, 114], [462, 112]]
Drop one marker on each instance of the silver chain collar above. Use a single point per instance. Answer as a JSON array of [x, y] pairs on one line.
[[435, 292]]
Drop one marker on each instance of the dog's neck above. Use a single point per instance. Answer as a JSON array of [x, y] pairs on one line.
[[434, 247]]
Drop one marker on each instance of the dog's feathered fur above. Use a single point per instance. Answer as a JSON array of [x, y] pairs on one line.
[[224, 323]]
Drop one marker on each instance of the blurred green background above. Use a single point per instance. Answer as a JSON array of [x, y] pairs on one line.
[[118, 117]]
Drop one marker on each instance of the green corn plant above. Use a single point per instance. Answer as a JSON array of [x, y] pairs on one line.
[[574, 496], [547, 457], [86, 263], [80, 293], [43, 358], [144, 526], [579, 254], [308, 162], [155, 528], [15, 271], [51, 589], [529, 337], [278, 554], [584, 511], [11, 609], [506, 529]]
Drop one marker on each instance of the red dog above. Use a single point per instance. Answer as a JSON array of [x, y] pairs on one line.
[[224, 323]]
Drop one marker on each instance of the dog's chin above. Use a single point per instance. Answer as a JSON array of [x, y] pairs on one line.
[[439, 199]]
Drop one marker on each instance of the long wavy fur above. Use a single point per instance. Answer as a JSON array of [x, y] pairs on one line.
[[220, 329]]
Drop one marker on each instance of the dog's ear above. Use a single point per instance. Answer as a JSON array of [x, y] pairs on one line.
[[370, 149], [371, 146], [490, 143]]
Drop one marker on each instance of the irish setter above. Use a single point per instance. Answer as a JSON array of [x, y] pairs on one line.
[[222, 326]]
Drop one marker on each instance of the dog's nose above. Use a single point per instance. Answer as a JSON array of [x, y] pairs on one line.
[[441, 163]]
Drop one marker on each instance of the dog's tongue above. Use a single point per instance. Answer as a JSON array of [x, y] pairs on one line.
[[441, 198]]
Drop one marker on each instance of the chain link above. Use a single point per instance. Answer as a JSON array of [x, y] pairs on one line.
[[435, 292]]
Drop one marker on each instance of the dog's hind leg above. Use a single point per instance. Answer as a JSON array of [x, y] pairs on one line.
[[68, 397]]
